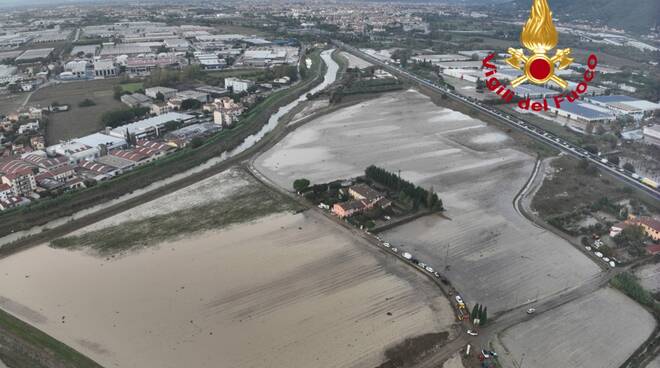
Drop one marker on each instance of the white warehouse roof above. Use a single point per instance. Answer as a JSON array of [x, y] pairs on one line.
[[97, 139], [150, 123]]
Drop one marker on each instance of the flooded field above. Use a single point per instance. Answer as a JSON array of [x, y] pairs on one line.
[[600, 330], [355, 62], [649, 277], [286, 290], [491, 253]]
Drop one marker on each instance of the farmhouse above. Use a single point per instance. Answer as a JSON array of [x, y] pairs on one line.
[[364, 198], [650, 225]]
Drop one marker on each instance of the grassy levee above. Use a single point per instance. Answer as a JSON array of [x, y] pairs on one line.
[[341, 61], [22, 345], [45, 210], [250, 203]]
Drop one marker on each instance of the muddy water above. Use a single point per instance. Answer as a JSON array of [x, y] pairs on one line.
[[284, 291]]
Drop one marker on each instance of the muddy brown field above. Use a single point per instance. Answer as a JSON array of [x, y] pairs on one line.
[[489, 251], [600, 330], [286, 290]]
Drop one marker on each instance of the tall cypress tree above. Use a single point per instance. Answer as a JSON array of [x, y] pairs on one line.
[[475, 310]]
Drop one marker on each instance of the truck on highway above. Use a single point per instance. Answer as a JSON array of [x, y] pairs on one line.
[[649, 183]]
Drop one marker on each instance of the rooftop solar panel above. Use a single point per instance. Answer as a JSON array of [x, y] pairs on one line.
[[613, 98], [583, 110]]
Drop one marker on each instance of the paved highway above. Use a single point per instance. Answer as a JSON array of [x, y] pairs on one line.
[[518, 124]]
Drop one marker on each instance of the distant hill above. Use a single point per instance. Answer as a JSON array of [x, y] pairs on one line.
[[633, 15]]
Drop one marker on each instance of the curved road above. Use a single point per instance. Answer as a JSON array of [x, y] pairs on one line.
[[498, 322], [518, 124]]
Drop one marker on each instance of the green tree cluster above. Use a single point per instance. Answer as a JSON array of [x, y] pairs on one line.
[[190, 104], [631, 236], [417, 194], [115, 118], [86, 102], [629, 284], [301, 184], [481, 312]]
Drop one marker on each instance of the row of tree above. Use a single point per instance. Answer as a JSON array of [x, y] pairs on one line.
[[417, 194], [115, 118], [481, 312]]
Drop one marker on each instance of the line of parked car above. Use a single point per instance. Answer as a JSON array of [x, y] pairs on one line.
[[597, 244], [409, 257]]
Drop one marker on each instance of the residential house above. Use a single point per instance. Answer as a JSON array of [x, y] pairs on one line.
[[160, 108], [364, 198], [12, 201], [32, 126], [364, 192], [37, 142], [225, 111], [5, 191], [348, 209], [650, 225], [238, 85], [19, 175]]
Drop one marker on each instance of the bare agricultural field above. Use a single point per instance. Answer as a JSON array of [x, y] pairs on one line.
[[11, 102], [495, 257], [284, 290], [649, 277], [355, 62], [600, 330], [78, 121], [212, 189]]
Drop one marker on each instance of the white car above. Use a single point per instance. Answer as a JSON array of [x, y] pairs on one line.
[[606, 260], [407, 255], [429, 269], [395, 250], [612, 264], [588, 248], [472, 333], [459, 299], [386, 245], [531, 311], [599, 254], [422, 265]]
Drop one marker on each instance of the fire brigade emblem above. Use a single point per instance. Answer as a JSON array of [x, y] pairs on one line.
[[539, 36]]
